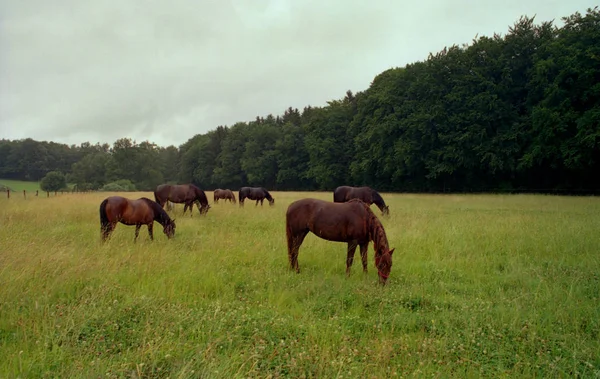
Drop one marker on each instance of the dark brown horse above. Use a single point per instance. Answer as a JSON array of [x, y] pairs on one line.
[[187, 194], [366, 194], [138, 212], [352, 222], [225, 194], [255, 193]]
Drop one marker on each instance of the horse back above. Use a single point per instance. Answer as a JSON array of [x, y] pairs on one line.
[[340, 222], [129, 212]]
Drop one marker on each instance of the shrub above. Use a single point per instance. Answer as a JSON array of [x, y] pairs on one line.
[[122, 185], [113, 187], [53, 181]]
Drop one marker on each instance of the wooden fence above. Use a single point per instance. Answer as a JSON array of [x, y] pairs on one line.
[[37, 193]]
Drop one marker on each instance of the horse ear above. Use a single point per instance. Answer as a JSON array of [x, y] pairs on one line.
[[391, 251]]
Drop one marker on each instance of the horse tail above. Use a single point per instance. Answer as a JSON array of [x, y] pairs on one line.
[[289, 233], [338, 196], [233, 196], [103, 217], [157, 197]]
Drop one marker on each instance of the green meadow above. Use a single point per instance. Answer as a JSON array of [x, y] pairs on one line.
[[19, 185], [481, 286]]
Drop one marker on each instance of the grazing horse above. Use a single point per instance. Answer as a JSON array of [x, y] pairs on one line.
[[366, 194], [187, 194], [255, 193], [352, 222], [226, 194], [138, 212]]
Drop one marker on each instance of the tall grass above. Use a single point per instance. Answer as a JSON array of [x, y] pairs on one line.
[[480, 286]]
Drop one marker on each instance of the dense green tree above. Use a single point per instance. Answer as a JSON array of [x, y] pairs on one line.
[[53, 181], [514, 112], [228, 172]]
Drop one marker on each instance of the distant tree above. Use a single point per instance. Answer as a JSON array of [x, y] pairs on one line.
[[53, 181]]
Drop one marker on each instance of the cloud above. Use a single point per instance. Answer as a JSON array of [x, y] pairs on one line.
[[74, 71]]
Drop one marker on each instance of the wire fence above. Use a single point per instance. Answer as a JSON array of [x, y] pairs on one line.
[[37, 193]]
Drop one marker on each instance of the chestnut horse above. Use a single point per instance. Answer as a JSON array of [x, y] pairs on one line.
[[187, 194], [366, 194], [138, 212], [352, 222], [255, 193], [226, 194]]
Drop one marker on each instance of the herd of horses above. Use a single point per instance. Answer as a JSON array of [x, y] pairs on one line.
[[348, 218]]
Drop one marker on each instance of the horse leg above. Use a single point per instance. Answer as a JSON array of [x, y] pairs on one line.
[[256, 203], [294, 242], [351, 250], [364, 249], [150, 227], [137, 231], [107, 230], [189, 205]]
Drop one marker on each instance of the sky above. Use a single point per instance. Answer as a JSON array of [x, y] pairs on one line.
[[73, 71]]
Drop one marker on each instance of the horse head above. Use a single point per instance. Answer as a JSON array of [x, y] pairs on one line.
[[271, 201], [384, 266], [386, 210], [169, 228], [204, 209]]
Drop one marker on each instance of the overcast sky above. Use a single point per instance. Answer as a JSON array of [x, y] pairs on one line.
[[73, 71]]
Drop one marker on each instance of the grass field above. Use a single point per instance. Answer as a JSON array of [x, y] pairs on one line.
[[492, 286], [19, 185]]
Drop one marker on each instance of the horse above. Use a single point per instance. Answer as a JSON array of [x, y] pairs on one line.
[[226, 194], [366, 194], [352, 222], [255, 193], [142, 211], [187, 194]]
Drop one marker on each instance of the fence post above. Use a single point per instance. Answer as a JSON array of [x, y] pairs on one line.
[[47, 194], [24, 196], [8, 193], [36, 192], [54, 193]]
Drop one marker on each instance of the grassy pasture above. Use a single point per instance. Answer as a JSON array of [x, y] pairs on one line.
[[484, 285], [20, 185]]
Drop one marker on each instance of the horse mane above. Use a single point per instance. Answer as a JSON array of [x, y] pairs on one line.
[[376, 230], [377, 199], [199, 193], [159, 213], [267, 194]]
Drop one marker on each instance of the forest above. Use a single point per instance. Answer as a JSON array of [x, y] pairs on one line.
[[513, 112]]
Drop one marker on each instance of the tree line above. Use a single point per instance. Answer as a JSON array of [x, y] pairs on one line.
[[519, 112]]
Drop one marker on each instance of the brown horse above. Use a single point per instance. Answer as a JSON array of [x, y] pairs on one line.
[[255, 193], [226, 194], [138, 212], [187, 194], [352, 222], [366, 194]]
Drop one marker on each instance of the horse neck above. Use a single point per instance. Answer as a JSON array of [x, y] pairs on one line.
[[377, 234], [202, 199], [378, 200], [160, 215]]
